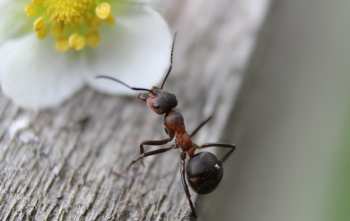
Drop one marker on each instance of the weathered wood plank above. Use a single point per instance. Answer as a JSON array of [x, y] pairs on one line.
[[59, 164]]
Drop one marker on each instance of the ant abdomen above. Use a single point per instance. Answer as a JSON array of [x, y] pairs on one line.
[[204, 172]]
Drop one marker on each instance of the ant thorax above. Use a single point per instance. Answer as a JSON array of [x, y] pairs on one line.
[[175, 125], [174, 122]]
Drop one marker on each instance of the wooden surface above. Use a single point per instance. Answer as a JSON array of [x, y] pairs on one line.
[[63, 164]]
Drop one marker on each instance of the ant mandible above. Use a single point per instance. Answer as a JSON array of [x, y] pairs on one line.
[[203, 170]]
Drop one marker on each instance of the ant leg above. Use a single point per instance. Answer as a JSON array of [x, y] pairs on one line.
[[200, 126], [150, 153], [231, 146], [184, 183], [154, 143]]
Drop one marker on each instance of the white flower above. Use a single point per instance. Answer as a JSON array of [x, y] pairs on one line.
[[54, 47]]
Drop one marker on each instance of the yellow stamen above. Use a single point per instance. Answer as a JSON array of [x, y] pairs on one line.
[[39, 24], [40, 28], [62, 44], [76, 41], [94, 23], [30, 10], [93, 39], [110, 20], [103, 10], [74, 24], [57, 30], [37, 1]]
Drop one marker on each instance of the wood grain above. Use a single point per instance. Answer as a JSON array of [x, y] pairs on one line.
[[68, 163]]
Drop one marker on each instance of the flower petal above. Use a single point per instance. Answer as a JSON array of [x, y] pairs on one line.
[[136, 51], [13, 19], [35, 76]]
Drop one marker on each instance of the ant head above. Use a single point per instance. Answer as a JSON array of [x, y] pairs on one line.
[[204, 172], [159, 100]]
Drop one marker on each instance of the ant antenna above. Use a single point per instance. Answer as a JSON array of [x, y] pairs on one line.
[[171, 62], [123, 83]]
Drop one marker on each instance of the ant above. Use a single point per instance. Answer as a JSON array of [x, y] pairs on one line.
[[203, 170]]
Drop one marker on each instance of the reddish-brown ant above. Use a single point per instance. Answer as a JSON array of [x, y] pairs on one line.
[[204, 171]]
